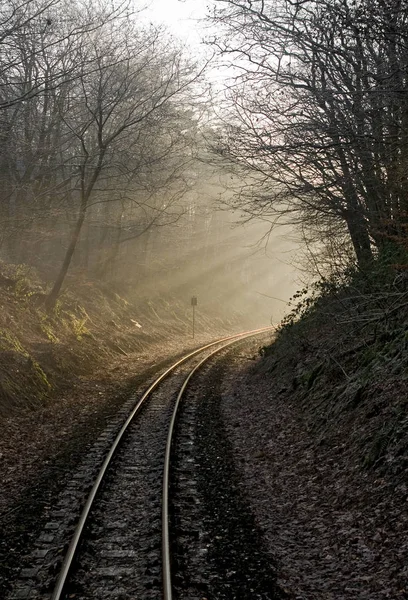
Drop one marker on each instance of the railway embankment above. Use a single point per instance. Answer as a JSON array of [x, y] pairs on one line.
[[319, 425], [315, 424], [344, 362], [92, 327]]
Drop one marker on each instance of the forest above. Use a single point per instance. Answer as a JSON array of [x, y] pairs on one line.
[[111, 135], [320, 107], [156, 196], [126, 159]]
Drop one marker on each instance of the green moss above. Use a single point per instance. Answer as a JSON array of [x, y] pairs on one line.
[[41, 376], [79, 328], [77, 324], [8, 341], [47, 329]]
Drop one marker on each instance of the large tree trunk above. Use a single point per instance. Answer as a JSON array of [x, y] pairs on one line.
[[360, 239]]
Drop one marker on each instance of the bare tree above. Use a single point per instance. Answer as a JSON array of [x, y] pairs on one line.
[[98, 121], [41, 35], [40, 57], [320, 117], [131, 92]]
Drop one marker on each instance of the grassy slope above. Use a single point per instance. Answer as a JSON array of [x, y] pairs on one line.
[[40, 353]]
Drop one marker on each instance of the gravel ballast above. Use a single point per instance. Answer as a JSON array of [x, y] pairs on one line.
[[40, 450], [219, 550]]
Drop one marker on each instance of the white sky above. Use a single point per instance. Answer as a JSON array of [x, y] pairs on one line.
[[180, 16]]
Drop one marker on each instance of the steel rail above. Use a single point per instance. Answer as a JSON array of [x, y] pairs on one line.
[[73, 546], [166, 554]]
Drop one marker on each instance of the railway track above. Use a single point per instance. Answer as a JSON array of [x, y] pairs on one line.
[[121, 545]]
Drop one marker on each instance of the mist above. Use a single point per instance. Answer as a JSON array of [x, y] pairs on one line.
[[107, 175], [230, 268]]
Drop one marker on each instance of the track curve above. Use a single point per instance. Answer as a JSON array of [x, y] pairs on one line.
[[75, 540]]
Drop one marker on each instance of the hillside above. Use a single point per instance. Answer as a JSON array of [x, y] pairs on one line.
[[345, 362], [91, 327], [318, 422], [320, 430]]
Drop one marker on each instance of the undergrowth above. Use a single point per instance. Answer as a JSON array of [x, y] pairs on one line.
[[341, 354], [92, 325], [39, 351]]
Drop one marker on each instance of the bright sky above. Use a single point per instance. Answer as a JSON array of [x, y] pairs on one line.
[[180, 16]]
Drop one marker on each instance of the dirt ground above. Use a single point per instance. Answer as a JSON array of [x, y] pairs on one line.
[[336, 530]]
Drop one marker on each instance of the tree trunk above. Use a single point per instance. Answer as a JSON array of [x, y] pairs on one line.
[[53, 295], [360, 238]]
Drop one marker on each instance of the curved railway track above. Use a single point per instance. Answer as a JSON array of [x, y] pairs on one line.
[[120, 476]]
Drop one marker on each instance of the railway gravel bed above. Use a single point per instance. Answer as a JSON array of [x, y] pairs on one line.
[[40, 452], [121, 553], [42, 564], [260, 509], [218, 549]]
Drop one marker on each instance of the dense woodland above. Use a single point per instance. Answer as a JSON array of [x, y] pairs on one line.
[[99, 116], [105, 167]]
